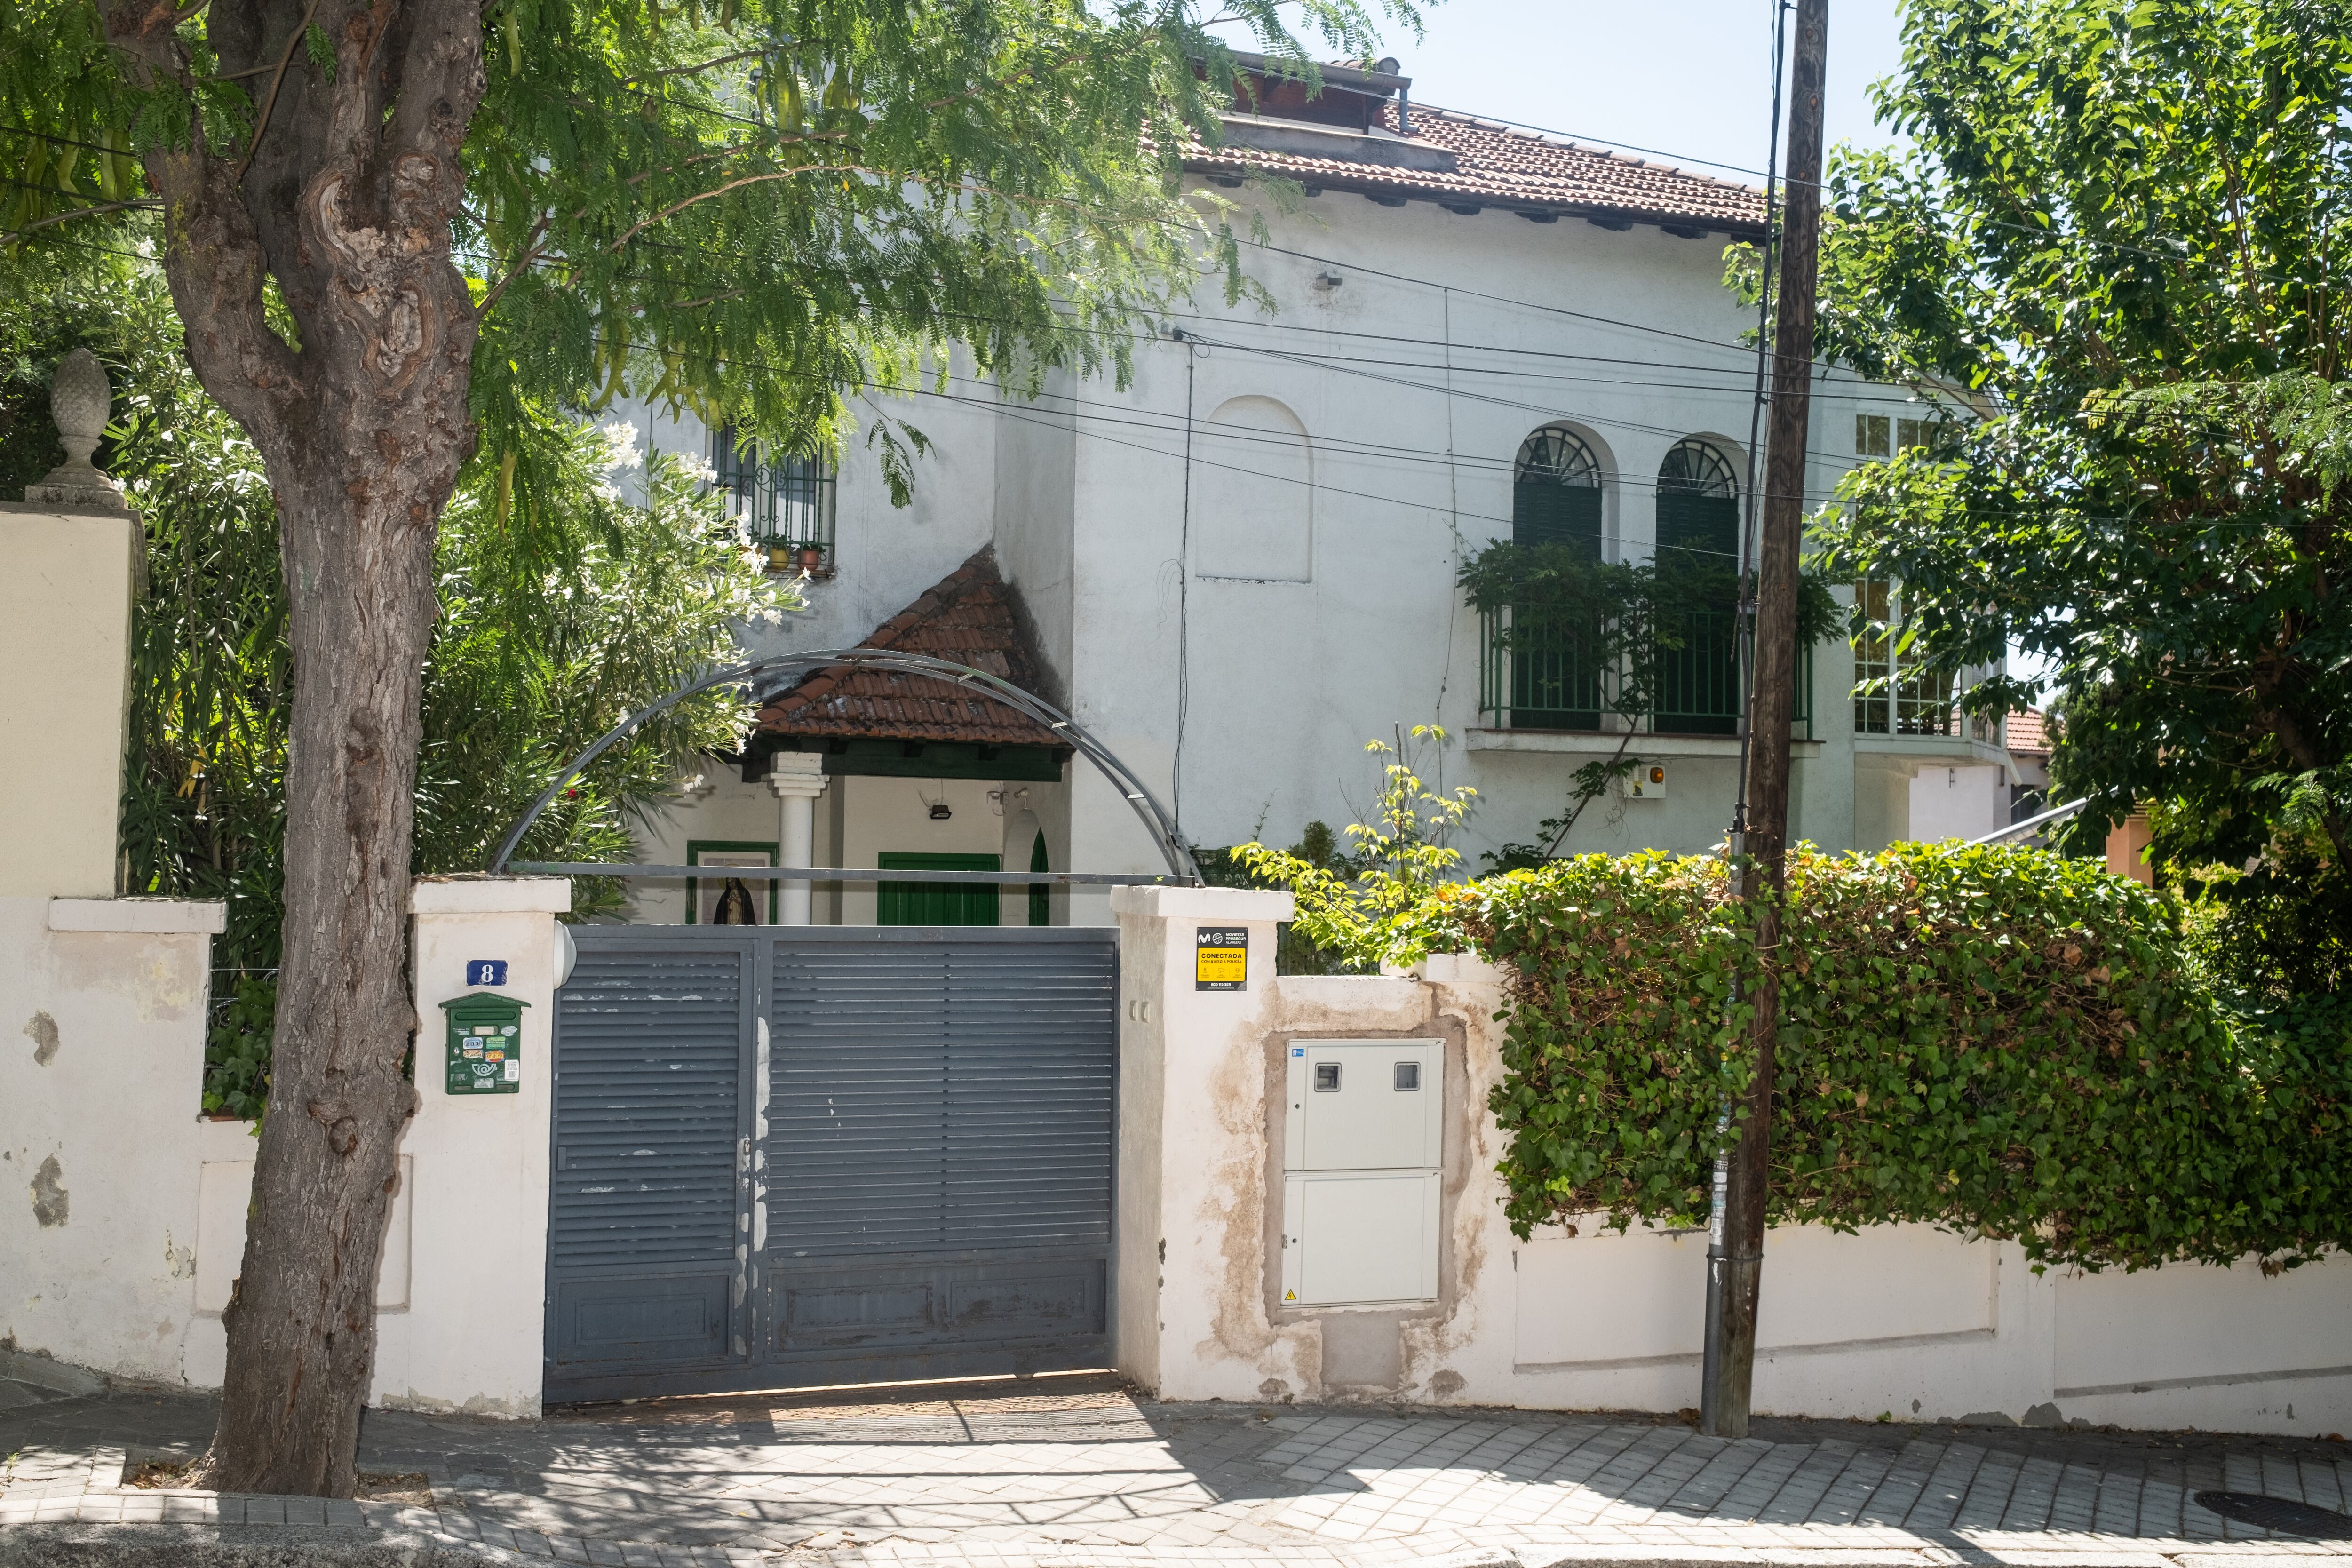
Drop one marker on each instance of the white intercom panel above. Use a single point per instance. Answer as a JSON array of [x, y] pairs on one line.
[[1363, 1141]]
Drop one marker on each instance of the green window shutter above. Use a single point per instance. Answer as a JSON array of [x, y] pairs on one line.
[[936, 903], [1555, 679], [1546, 511], [1699, 682], [1041, 897]]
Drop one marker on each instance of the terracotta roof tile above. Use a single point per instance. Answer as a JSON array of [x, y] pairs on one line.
[[966, 618], [1520, 170], [2027, 733]]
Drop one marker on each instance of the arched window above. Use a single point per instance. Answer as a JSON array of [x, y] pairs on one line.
[[1555, 659], [1698, 540], [1556, 491]]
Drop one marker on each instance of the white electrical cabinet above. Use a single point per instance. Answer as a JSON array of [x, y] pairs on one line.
[[1362, 1142]]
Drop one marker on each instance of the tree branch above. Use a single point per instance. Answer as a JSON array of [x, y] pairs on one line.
[[164, 17], [144, 204], [706, 65], [676, 208], [530, 247], [967, 186], [261, 121]]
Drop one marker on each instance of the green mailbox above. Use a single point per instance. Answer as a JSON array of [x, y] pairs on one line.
[[485, 1042]]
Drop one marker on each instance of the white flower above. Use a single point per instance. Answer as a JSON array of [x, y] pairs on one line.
[[623, 439]]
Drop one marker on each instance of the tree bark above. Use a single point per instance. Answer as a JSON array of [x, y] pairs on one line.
[[344, 198], [1737, 1284]]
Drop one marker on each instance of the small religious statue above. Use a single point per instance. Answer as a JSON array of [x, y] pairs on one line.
[[735, 905]]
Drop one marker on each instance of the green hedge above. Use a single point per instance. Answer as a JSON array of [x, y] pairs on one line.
[[1998, 1041]]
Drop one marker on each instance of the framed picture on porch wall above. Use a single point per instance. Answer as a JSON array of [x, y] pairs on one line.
[[702, 893]]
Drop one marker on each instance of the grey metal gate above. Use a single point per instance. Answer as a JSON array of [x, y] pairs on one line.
[[804, 1155]]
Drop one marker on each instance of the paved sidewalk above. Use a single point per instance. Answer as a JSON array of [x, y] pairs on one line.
[[1074, 1472]]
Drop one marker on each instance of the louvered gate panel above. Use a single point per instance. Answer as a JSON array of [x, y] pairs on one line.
[[644, 1199], [856, 1102], [1029, 1090], [932, 1181], [938, 1151]]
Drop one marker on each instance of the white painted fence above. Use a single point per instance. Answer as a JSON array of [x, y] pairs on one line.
[[119, 1250], [1904, 1320], [124, 1241]]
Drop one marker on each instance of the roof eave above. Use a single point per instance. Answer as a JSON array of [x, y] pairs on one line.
[[1734, 229]]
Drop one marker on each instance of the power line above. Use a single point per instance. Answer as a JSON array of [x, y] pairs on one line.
[[1369, 449]]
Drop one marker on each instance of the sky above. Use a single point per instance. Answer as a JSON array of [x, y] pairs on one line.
[[1693, 77]]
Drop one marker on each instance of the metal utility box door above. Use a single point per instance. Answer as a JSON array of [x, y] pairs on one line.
[[1363, 1143], [485, 1042], [1359, 1105], [1357, 1238]]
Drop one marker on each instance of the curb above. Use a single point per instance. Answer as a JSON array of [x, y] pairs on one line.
[[57, 1376], [85, 1545]]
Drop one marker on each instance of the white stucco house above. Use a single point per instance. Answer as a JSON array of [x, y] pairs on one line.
[[1242, 566]]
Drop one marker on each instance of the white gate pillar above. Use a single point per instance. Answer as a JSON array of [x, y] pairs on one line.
[[474, 1332], [798, 778], [69, 556]]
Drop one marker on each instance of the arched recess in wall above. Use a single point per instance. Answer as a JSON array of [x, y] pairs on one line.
[[1253, 501], [1698, 544], [1556, 499]]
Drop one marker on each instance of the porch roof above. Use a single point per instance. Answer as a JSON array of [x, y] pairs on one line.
[[966, 617]]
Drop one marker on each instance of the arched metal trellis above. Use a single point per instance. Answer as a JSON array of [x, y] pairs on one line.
[[1138, 797]]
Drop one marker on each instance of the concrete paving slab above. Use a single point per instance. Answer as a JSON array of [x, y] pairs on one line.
[[1079, 1473]]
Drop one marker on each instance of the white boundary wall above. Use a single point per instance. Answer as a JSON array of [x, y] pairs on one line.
[[126, 1229], [1904, 1320]]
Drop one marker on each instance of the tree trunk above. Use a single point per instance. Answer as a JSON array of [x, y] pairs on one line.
[[345, 200]]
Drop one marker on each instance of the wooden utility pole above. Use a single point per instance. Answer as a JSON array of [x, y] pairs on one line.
[[1737, 1261]]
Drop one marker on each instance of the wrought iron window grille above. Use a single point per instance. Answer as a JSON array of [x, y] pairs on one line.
[[783, 501]]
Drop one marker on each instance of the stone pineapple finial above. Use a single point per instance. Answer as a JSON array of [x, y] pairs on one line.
[[79, 399]]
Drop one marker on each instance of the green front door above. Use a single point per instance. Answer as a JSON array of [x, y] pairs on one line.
[[936, 903]]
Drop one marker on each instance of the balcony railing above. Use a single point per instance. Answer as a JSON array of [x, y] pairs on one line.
[[1539, 671]]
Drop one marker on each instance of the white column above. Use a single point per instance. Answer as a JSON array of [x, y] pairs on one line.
[[798, 778]]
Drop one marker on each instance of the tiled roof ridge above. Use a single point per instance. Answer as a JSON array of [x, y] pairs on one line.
[[965, 618], [1489, 165], [1593, 150], [940, 596]]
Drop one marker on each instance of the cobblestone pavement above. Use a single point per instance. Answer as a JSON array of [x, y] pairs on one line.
[[1076, 1471]]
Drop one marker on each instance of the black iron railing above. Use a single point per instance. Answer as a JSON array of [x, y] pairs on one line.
[[1539, 671]]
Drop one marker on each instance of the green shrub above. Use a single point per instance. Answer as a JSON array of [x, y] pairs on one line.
[[1998, 1041], [1295, 952], [236, 1048]]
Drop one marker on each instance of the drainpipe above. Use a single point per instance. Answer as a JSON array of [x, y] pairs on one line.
[[1404, 110], [798, 778]]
